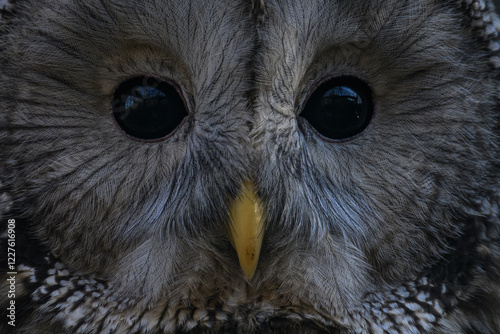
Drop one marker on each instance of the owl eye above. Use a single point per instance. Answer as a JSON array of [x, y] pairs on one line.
[[147, 108], [339, 108]]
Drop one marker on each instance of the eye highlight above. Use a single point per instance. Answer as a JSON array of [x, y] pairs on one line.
[[339, 108], [147, 108]]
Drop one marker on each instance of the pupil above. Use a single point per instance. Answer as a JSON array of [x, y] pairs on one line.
[[340, 108], [148, 111]]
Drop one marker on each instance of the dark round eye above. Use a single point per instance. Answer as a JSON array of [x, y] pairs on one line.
[[340, 108], [147, 108]]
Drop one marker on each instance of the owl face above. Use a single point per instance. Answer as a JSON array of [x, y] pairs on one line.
[[277, 166]]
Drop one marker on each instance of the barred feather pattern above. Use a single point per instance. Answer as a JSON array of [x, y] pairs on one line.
[[84, 304]]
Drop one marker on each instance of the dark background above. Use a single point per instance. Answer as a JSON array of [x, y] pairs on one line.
[[497, 5]]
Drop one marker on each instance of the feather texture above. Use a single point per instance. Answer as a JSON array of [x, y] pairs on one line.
[[393, 230]]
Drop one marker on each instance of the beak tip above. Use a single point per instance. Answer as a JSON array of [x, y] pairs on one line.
[[249, 266], [249, 275]]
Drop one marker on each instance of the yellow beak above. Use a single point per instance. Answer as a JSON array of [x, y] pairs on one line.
[[247, 229]]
